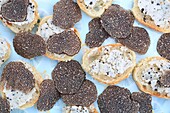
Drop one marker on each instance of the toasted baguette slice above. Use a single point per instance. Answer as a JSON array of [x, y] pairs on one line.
[[6, 47], [53, 56], [148, 20], [107, 65], [97, 10], [26, 27], [38, 79], [147, 86], [79, 109]]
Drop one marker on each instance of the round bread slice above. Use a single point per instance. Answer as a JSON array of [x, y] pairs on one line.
[[5, 51], [107, 65], [16, 90], [46, 29], [94, 8], [79, 109], [23, 26], [146, 19], [151, 75]]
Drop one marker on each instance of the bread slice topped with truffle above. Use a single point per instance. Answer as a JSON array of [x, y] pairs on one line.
[[109, 64], [152, 75], [154, 14], [79, 109], [5, 51], [94, 8], [4, 106], [20, 84], [19, 15], [62, 44]]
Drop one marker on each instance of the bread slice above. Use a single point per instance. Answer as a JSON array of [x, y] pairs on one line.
[[79, 109], [26, 27], [38, 79], [54, 56], [107, 65], [97, 10], [148, 20], [146, 87], [7, 52]]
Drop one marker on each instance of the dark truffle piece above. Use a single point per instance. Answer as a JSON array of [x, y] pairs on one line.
[[144, 101], [4, 106], [138, 41], [68, 76], [86, 95], [15, 10], [117, 21], [18, 77], [97, 34], [66, 14], [165, 79], [66, 42], [29, 45], [163, 46], [48, 95], [115, 99]]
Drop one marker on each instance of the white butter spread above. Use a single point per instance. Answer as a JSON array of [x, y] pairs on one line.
[[3, 50], [30, 13], [112, 61], [92, 3], [75, 109], [151, 75], [158, 10], [18, 98]]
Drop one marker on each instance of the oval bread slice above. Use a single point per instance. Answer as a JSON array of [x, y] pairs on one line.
[[97, 10], [54, 56], [38, 79], [109, 64], [148, 74]]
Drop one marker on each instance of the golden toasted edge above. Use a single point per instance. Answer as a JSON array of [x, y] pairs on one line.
[[93, 13], [140, 86], [110, 80], [38, 79], [27, 27], [51, 55], [139, 17]]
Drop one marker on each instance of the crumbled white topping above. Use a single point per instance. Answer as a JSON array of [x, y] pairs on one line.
[[75, 109], [30, 13], [18, 98], [92, 3], [111, 61], [3, 50], [48, 29], [151, 75], [158, 10]]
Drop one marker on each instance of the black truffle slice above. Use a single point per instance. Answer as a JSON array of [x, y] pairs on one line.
[[66, 42], [163, 46], [29, 45], [4, 106], [115, 99], [66, 13], [18, 77], [138, 40], [15, 10], [97, 34], [165, 79], [144, 101], [86, 95], [68, 77], [48, 95], [117, 21]]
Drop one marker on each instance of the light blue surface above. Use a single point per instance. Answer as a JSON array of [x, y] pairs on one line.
[[45, 65]]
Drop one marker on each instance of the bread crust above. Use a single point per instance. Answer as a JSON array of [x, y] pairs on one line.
[[108, 80], [7, 55], [91, 12], [138, 69], [52, 55], [139, 17], [27, 27], [38, 79]]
